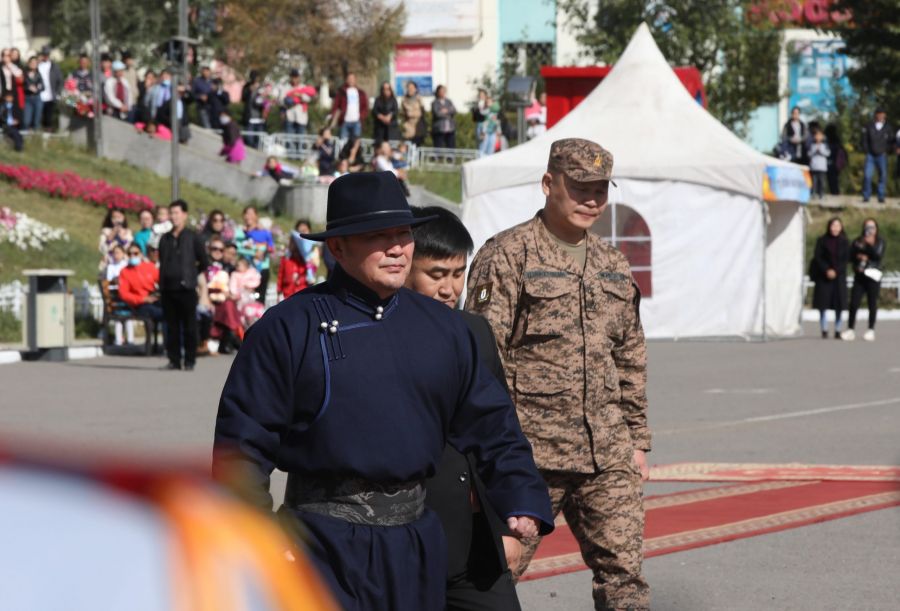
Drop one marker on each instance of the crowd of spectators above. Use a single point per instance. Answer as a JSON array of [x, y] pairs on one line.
[[235, 263], [823, 151]]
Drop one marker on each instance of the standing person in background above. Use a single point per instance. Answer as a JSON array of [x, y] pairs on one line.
[[143, 235], [491, 133], [142, 112], [325, 147], [794, 137], [257, 244], [296, 104], [254, 104], [878, 140], [131, 77], [479, 112], [443, 120], [866, 255], [292, 269], [350, 108], [819, 154], [84, 80], [219, 101], [837, 161], [828, 270], [536, 117], [116, 94], [53, 86], [386, 109], [181, 258], [564, 309], [106, 65], [202, 91], [13, 78], [34, 87], [413, 112], [11, 120]]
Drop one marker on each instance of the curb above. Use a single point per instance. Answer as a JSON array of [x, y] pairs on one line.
[[76, 353], [813, 315]]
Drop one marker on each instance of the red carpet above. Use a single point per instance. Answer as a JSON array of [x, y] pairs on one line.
[[686, 520]]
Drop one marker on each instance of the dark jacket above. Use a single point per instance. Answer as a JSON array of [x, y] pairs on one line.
[[180, 260], [874, 252], [878, 141], [56, 80], [254, 103], [796, 150], [383, 131], [448, 490], [16, 113], [830, 294]]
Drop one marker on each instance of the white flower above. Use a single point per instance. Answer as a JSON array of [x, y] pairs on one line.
[[27, 233]]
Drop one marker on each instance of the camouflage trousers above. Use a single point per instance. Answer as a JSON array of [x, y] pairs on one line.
[[605, 513]]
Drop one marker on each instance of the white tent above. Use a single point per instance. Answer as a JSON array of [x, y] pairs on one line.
[[720, 260]]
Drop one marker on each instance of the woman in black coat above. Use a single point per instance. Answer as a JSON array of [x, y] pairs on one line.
[[829, 271], [385, 110]]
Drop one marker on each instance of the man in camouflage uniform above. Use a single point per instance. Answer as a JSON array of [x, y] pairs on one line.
[[564, 310]]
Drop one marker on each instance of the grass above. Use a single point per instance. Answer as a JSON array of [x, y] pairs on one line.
[[888, 225], [446, 184]]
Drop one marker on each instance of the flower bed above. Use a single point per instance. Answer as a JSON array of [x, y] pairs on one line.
[[25, 232], [70, 185]]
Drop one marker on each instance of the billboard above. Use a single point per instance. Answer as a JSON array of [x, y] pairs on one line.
[[817, 74], [413, 62]]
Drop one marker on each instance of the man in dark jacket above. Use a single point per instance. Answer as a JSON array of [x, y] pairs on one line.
[[480, 548], [877, 141], [11, 119], [202, 91], [181, 258]]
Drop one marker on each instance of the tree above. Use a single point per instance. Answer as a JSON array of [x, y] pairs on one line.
[[137, 26], [872, 36], [737, 60], [327, 38]]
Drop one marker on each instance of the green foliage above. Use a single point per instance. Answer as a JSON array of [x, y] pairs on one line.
[[124, 24], [735, 58], [873, 40], [888, 226], [446, 184], [10, 328], [327, 38]]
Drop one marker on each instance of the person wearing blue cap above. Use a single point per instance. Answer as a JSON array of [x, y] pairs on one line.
[[117, 92], [343, 387]]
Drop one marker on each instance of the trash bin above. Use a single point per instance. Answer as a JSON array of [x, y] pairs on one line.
[[49, 317]]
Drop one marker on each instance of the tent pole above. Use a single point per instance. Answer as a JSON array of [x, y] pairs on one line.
[[765, 238]]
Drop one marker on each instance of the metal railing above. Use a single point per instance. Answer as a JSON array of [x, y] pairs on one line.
[[302, 147], [890, 281]]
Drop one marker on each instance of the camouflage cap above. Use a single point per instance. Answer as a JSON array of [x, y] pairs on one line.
[[581, 160]]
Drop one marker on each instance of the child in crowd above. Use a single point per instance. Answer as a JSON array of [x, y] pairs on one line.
[[399, 157], [326, 149], [163, 225], [114, 232], [242, 285], [116, 265], [818, 162], [292, 271], [277, 171]]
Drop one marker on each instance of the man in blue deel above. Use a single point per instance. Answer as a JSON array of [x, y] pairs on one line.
[[353, 387]]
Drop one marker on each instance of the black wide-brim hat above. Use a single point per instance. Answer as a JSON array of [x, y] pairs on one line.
[[364, 202]]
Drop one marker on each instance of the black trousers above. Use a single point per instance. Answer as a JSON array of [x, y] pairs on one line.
[[180, 309], [444, 140], [263, 286], [13, 134], [479, 588], [864, 284]]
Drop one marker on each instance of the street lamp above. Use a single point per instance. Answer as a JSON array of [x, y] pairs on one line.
[[520, 91]]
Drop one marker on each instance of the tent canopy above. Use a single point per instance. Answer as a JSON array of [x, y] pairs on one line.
[[654, 128]]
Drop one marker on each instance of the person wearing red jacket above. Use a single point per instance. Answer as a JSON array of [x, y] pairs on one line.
[[350, 108], [139, 285], [292, 271]]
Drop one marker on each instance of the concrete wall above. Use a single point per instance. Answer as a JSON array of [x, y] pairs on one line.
[[199, 162]]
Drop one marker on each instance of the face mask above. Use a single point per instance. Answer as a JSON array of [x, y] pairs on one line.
[[134, 261]]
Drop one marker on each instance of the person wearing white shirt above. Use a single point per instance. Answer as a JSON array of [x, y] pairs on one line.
[[117, 92]]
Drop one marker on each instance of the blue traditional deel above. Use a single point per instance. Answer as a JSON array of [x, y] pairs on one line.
[[336, 382]]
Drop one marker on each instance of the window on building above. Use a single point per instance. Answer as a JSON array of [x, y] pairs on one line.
[[41, 11], [627, 230], [526, 59]]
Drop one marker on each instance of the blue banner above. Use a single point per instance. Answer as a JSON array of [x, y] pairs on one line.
[[422, 81], [786, 183]]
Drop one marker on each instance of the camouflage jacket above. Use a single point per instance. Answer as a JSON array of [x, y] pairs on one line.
[[571, 343]]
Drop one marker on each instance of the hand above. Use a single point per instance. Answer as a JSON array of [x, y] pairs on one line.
[[640, 459], [512, 549], [830, 274], [522, 527]]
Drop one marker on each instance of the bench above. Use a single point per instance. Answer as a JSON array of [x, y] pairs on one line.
[[116, 310]]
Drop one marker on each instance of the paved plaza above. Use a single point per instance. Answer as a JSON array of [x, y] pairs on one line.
[[804, 400]]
